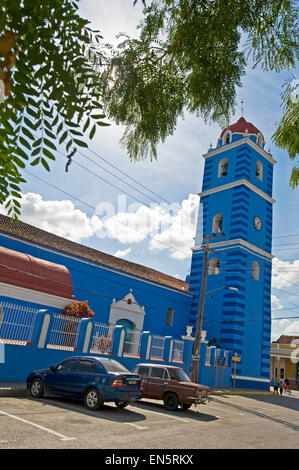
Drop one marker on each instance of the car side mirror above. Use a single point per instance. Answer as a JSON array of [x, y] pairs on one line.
[[53, 368]]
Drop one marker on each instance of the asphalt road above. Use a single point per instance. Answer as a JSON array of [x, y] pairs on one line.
[[227, 422]]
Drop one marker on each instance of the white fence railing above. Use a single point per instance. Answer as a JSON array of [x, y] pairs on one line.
[[178, 348], [16, 322], [102, 338], [63, 332], [157, 349], [208, 356]]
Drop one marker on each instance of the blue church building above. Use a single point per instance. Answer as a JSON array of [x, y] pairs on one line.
[[42, 269], [237, 202]]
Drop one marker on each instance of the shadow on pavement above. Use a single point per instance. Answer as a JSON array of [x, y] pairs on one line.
[[108, 411], [193, 413], [265, 399]]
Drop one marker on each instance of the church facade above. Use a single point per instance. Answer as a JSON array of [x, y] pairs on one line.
[[236, 199]]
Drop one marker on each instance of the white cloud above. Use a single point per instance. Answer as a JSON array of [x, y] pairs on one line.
[[275, 303], [284, 327], [179, 234], [58, 217], [122, 253], [168, 227], [284, 273]]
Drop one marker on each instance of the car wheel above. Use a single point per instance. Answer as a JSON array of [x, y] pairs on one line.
[[93, 399], [171, 401], [36, 388], [121, 404], [185, 406]]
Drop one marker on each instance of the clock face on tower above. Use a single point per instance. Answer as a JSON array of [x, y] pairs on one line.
[[257, 222]]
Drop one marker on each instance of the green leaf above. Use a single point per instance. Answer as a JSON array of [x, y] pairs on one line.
[[49, 144], [63, 137], [80, 143], [92, 132], [86, 125], [35, 162], [35, 152], [37, 142], [25, 143], [19, 162], [45, 164], [27, 133], [48, 154]]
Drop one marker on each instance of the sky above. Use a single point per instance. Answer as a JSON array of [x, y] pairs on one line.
[[146, 211]]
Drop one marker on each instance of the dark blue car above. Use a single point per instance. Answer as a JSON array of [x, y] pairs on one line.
[[92, 379]]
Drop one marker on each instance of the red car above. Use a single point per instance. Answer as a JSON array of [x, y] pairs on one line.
[[172, 385]]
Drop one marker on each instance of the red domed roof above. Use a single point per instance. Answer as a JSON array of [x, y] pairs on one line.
[[22, 270], [240, 127]]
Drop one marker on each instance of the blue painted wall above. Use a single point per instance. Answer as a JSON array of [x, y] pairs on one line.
[[100, 286]]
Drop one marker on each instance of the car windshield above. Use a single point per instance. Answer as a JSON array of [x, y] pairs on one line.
[[181, 375], [113, 366]]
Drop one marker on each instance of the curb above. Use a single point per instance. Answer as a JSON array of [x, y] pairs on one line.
[[241, 392]]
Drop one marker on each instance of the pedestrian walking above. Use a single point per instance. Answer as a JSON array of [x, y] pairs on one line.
[[286, 386], [281, 388], [275, 385]]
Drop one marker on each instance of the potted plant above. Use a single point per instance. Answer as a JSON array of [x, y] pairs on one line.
[[75, 310]]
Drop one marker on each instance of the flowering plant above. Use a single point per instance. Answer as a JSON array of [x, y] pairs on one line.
[[78, 310]]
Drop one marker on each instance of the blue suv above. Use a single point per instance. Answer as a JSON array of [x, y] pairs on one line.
[[92, 379]]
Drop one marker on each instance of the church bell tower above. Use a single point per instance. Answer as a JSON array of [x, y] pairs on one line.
[[236, 201]]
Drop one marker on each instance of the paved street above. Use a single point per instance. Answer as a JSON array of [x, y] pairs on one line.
[[227, 422]]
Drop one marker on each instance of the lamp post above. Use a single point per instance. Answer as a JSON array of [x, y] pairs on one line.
[[197, 341]]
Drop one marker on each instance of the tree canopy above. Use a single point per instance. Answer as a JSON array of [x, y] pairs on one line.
[[189, 56], [49, 89], [57, 82]]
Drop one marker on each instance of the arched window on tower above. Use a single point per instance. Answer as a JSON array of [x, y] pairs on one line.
[[214, 266], [227, 138], [255, 271], [259, 140], [223, 167], [217, 223], [259, 170]]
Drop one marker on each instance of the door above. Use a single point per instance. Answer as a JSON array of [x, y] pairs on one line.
[[158, 382], [81, 376], [144, 371], [58, 381]]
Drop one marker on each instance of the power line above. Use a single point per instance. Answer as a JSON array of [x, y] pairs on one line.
[[101, 294], [120, 189], [117, 221]]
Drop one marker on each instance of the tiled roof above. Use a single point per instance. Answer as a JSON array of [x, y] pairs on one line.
[[240, 126], [41, 237], [285, 339]]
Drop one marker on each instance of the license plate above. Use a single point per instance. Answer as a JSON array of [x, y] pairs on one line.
[[132, 381]]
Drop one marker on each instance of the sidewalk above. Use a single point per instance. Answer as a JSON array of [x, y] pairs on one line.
[[244, 391], [13, 389]]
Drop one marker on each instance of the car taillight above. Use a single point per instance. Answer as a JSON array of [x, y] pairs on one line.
[[141, 383], [118, 382]]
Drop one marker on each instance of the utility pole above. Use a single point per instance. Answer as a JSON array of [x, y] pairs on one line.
[[197, 341]]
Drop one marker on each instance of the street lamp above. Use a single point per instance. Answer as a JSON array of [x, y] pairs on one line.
[[197, 341], [223, 287]]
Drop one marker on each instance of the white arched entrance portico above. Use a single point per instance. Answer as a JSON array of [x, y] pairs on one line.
[[128, 311]]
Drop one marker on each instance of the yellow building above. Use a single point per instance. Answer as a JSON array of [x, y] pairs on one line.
[[285, 359]]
